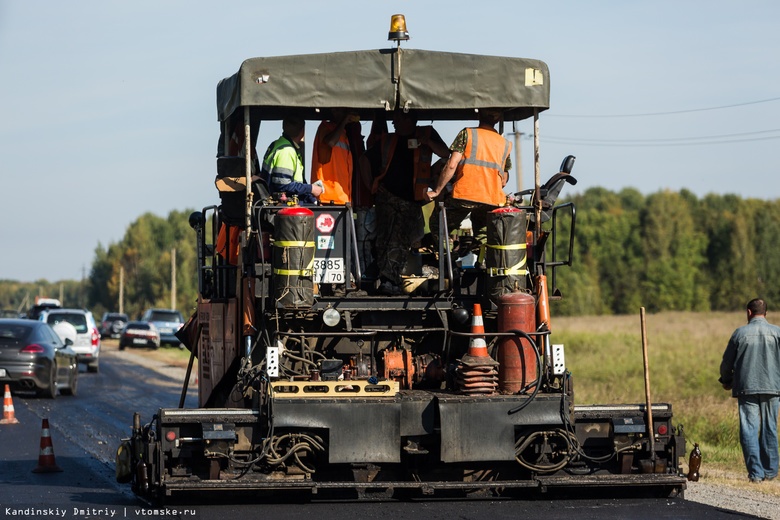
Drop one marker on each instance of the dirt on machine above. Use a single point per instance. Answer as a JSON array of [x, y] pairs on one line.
[[313, 382]]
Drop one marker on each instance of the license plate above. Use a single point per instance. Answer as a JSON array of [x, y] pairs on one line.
[[3, 373], [329, 270], [139, 341]]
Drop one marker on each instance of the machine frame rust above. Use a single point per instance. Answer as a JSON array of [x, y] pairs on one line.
[[310, 381]]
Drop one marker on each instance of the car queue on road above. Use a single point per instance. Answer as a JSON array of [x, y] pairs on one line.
[[40, 351]]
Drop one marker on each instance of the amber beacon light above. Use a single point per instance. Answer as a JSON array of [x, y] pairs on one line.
[[397, 29]]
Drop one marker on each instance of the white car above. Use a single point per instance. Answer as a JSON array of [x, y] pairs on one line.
[[87, 344]]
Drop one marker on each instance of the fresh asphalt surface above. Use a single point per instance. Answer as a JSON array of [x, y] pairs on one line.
[[86, 430]]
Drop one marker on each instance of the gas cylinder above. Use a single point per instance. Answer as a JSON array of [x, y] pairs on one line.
[[505, 256], [293, 257], [517, 360]]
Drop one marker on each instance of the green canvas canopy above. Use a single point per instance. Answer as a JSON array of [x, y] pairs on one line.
[[436, 85]]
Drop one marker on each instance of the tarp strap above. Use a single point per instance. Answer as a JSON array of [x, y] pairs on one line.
[[293, 243], [507, 246], [294, 272], [516, 269]]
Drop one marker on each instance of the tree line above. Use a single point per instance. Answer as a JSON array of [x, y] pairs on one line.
[[140, 263], [670, 251], [665, 251]]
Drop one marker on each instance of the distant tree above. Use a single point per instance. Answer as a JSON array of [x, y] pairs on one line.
[[766, 244], [144, 254], [673, 255]]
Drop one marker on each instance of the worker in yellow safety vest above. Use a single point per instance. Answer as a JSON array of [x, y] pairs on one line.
[[283, 163]]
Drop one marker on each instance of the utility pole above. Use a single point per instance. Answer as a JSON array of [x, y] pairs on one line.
[[121, 289], [518, 159], [173, 278], [82, 292]]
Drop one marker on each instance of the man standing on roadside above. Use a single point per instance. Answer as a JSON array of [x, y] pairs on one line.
[[751, 370]]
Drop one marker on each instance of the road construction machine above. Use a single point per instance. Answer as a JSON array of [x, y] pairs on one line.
[[310, 380]]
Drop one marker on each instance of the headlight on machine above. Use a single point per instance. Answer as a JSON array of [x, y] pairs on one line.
[[331, 317]]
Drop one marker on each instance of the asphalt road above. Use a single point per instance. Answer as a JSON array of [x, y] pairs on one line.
[[85, 431]]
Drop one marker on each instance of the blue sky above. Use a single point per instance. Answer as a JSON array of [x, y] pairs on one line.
[[107, 108]]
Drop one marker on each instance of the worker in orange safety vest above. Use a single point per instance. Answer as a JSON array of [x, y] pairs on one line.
[[478, 165], [331, 158]]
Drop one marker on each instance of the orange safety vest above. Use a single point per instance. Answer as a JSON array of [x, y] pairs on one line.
[[479, 177], [336, 174], [229, 243], [422, 162]]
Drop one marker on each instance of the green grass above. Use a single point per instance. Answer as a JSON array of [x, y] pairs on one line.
[[604, 354]]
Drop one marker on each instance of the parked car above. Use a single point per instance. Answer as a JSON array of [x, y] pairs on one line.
[[32, 357], [168, 323], [87, 345], [112, 323], [139, 334]]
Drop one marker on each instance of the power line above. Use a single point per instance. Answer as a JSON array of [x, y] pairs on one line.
[[669, 141], [647, 143], [648, 114]]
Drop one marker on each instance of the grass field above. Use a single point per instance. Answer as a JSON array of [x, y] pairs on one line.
[[604, 354]]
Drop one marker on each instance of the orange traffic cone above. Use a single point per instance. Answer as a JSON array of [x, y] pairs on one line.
[[9, 416], [477, 372], [477, 346], [46, 463]]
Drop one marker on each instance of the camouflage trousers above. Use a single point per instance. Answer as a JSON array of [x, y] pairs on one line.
[[399, 224], [457, 211]]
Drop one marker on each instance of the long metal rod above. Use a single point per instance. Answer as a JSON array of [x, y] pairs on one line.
[[537, 202], [353, 239], [248, 171], [650, 428], [189, 368]]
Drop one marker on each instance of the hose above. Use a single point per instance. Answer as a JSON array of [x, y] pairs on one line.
[[522, 444], [301, 443]]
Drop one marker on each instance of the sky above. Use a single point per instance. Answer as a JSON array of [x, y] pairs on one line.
[[108, 108]]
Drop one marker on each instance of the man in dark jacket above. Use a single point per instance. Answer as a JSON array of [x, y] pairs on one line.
[[751, 370]]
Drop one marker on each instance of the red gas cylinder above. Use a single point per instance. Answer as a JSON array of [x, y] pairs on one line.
[[517, 360]]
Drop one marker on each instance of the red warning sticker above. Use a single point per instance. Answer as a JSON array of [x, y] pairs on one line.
[[325, 222]]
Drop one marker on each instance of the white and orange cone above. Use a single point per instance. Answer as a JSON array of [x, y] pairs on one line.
[[477, 372], [46, 462], [477, 346], [9, 416]]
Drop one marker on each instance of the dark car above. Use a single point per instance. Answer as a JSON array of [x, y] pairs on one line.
[[168, 323], [139, 334], [112, 323], [32, 357]]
